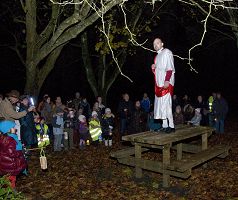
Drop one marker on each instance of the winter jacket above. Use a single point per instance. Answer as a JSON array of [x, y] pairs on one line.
[[28, 129], [125, 105], [220, 108], [47, 112], [196, 120], [107, 124], [12, 161], [178, 118], [8, 113], [83, 130], [138, 120], [145, 104], [58, 125]]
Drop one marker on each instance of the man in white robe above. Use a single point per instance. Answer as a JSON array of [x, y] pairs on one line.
[[163, 70]]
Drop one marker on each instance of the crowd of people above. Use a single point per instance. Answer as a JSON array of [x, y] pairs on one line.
[[205, 112], [77, 123]]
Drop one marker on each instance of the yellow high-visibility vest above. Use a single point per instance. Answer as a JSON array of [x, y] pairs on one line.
[[210, 103], [95, 129], [43, 140]]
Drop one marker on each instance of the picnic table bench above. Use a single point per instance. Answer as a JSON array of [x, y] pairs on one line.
[[181, 166]]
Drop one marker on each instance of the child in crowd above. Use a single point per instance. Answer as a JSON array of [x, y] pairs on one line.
[[188, 112], [197, 118], [95, 128], [83, 131], [70, 122], [178, 116], [107, 126], [12, 161], [58, 129], [42, 132], [76, 130]]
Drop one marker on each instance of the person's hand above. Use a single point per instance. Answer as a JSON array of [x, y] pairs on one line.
[[31, 108], [125, 110], [166, 84], [153, 66]]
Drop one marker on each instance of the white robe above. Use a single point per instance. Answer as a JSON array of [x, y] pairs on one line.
[[164, 62]]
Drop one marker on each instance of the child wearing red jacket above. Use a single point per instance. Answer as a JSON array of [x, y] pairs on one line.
[[12, 160]]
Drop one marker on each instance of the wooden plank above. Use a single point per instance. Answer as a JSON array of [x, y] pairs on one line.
[[132, 137], [179, 151], [174, 137], [154, 166], [199, 158], [126, 152], [204, 145], [160, 135], [163, 136], [166, 162], [190, 148], [138, 156]]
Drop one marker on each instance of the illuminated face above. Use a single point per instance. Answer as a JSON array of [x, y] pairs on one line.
[[58, 100], [25, 102], [178, 109], [158, 44], [137, 103], [96, 105], [99, 99], [77, 95], [199, 98], [126, 97], [13, 100], [48, 100]]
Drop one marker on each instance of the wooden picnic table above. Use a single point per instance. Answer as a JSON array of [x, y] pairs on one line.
[[155, 140]]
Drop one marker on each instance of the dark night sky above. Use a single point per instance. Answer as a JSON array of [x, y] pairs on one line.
[[217, 64]]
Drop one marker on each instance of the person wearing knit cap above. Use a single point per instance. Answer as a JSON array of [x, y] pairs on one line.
[[7, 111], [95, 128], [107, 126], [12, 160], [83, 131], [28, 130], [197, 118], [94, 113]]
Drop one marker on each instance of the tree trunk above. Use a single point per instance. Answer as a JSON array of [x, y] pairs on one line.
[[30, 84], [35, 77], [88, 64]]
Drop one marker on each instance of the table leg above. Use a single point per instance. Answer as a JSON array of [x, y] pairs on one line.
[[179, 151], [166, 162], [204, 145], [138, 156]]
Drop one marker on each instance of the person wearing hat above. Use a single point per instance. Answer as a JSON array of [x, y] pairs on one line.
[[12, 161], [83, 131], [107, 126], [95, 128], [197, 118], [7, 111], [28, 129]]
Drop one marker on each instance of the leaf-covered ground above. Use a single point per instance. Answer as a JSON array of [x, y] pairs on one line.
[[92, 174]]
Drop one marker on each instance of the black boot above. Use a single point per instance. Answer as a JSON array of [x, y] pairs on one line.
[[169, 130]]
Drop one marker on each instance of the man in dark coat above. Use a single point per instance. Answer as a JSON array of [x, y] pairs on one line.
[[125, 111], [220, 109]]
